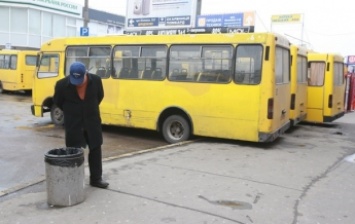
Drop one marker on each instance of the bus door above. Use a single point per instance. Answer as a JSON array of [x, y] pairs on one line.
[[8, 77], [281, 101], [301, 91], [28, 69], [315, 93], [46, 76], [12, 77], [298, 104], [334, 92]]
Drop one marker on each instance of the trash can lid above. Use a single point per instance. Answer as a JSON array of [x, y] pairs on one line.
[[66, 152]]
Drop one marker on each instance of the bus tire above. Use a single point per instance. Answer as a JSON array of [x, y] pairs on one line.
[[176, 129], [57, 115], [1, 89]]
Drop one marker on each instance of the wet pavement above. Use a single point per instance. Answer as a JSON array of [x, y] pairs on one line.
[[24, 139]]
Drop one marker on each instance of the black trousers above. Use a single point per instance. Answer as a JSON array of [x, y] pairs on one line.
[[95, 163], [94, 159]]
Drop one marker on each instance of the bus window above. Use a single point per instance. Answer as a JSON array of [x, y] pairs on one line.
[[7, 62], [95, 59], [338, 74], [302, 69], [76, 54], [140, 62], [153, 59], [48, 66], [30, 60], [185, 61], [316, 74], [125, 61], [248, 64], [200, 63], [13, 62], [282, 66], [2, 61], [217, 64]]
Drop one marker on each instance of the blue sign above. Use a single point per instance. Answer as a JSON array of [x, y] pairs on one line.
[[153, 22], [84, 31], [143, 22], [222, 20], [178, 21]]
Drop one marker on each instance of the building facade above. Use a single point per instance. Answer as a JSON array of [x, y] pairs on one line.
[[27, 24]]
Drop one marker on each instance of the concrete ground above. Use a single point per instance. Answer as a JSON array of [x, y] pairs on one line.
[[307, 176]]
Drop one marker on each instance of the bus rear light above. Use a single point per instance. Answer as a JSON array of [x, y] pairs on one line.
[[293, 101], [330, 101], [270, 108]]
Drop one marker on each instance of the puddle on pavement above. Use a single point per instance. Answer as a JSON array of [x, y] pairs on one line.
[[350, 158], [232, 204]]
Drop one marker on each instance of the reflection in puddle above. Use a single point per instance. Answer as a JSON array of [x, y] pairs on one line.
[[350, 158]]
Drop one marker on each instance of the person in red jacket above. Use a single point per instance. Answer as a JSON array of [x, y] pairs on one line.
[[79, 95]]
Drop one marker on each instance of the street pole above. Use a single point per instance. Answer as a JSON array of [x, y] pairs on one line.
[[86, 13], [302, 43]]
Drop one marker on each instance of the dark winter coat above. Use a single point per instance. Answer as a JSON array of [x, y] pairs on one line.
[[80, 115]]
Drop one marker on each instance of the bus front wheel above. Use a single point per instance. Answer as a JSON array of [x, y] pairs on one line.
[[57, 115], [176, 129]]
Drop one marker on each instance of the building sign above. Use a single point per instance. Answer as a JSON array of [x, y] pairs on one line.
[[106, 17], [158, 14], [235, 20], [8, 46], [182, 31], [289, 18], [55, 5]]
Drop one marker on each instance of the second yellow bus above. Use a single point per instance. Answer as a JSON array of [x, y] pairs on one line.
[[16, 70]]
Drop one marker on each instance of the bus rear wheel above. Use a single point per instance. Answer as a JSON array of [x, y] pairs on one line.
[[57, 115], [176, 129], [1, 89]]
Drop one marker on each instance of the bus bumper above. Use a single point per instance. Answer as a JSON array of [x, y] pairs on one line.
[[299, 119], [333, 118], [270, 137]]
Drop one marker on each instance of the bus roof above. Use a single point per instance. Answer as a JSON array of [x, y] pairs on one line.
[[317, 56], [301, 50], [228, 38], [11, 51]]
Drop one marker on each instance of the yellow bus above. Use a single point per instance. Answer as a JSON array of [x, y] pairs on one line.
[[326, 87], [298, 107], [16, 70], [231, 86]]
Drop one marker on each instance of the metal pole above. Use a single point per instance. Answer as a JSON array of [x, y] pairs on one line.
[[302, 43], [86, 13]]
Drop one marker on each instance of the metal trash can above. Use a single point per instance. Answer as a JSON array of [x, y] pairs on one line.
[[65, 176]]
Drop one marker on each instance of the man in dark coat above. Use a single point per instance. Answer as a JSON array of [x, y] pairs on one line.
[[79, 95]]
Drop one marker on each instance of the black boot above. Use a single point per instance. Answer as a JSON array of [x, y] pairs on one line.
[[99, 183]]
